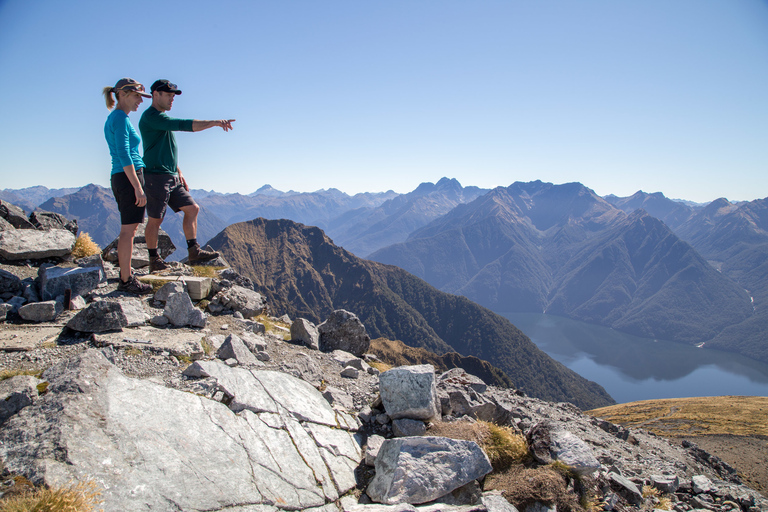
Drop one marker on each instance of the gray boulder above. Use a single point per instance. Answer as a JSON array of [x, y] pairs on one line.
[[304, 331], [458, 377], [4, 310], [51, 220], [93, 261], [5, 225], [41, 311], [409, 392], [237, 298], [9, 283], [169, 289], [234, 348], [702, 484], [54, 281], [372, 449], [344, 331], [15, 216], [134, 312], [665, 483], [421, 469], [31, 244], [626, 488], [405, 427], [494, 502], [181, 312], [99, 316], [550, 441], [29, 290], [157, 448], [16, 393], [15, 303]]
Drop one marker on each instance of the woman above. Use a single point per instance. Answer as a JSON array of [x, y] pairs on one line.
[[127, 177]]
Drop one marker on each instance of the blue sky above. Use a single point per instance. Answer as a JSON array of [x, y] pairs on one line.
[[370, 96]]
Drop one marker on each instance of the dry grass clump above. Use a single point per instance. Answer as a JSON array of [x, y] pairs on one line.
[[275, 326], [381, 366], [206, 271], [737, 415], [659, 499], [7, 374], [503, 445], [523, 486], [74, 498], [84, 246]]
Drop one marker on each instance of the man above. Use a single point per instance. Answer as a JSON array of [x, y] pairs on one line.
[[164, 183]]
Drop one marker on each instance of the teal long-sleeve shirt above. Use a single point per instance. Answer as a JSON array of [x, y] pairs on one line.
[[160, 151], [123, 141]]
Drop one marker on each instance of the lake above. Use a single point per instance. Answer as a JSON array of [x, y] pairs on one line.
[[631, 368]]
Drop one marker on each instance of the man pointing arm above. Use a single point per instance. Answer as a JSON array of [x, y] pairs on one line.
[[164, 183]]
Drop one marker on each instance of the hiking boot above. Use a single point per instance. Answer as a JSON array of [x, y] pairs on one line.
[[196, 254], [134, 286], [156, 264]]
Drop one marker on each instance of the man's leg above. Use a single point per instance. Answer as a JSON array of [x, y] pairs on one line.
[[196, 254], [189, 224], [152, 232]]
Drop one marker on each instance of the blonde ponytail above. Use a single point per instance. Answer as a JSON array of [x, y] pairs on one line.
[[108, 92]]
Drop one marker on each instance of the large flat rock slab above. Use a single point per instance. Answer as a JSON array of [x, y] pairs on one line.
[[31, 244], [152, 448], [179, 342], [15, 338]]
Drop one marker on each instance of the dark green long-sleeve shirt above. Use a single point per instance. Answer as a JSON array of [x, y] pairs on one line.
[[160, 151]]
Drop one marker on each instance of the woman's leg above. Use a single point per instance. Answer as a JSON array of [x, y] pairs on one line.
[[125, 250]]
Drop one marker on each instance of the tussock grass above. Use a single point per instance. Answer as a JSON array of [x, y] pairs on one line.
[[503, 445], [659, 499], [275, 326], [207, 347], [523, 486], [84, 246], [7, 374], [381, 366], [81, 497], [679, 417], [206, 271]]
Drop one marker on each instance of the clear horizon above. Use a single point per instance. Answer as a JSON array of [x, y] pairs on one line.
[[364, 97]]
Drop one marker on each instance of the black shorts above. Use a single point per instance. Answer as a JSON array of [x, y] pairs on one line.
[[126, 197], [165, 190]]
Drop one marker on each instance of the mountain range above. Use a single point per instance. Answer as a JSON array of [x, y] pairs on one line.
[[563, 250], [644, 264]]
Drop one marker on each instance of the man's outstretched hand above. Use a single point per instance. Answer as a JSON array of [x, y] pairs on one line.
[[226, 124]]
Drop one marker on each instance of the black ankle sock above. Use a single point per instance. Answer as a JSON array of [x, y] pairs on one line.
[[191, 242], [152, 253]]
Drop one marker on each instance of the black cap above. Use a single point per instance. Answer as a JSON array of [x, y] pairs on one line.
[[165, 86]]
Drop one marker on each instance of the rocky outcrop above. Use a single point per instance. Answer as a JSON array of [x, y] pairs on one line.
[[257, 423], [148, 444]]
